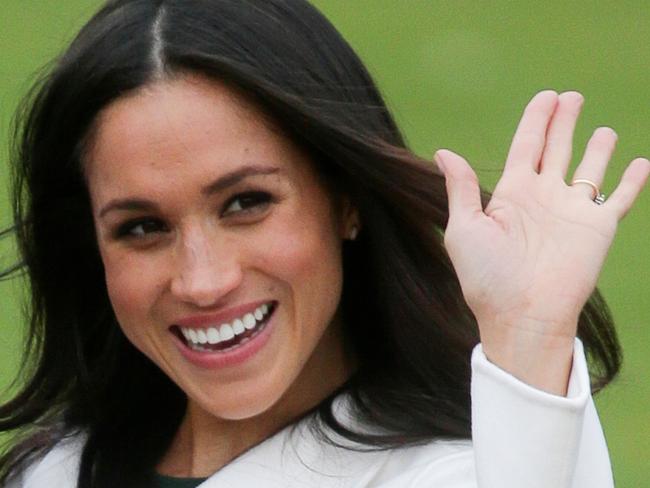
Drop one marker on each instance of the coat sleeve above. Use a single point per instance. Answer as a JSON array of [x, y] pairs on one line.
[[526, 437]]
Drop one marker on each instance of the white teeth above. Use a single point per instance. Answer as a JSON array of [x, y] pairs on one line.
[[226, 333], [238, 327], [248, 324], [203, 337], [213, 335], [196, 338], [249, 320]]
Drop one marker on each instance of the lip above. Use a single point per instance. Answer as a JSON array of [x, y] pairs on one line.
[[226, 316], [233, 357]]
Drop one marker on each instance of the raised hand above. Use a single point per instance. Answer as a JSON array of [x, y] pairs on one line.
[[528, 263]]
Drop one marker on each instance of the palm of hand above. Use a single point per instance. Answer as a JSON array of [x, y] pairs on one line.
[[538, 249], [533, 256]]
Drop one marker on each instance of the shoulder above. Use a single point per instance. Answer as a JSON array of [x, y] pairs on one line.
[[437, 462], [58, 467], [297, 458], [447, 463], [310, 464]]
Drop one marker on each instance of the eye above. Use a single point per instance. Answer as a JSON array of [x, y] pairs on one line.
[[140, 228], [247, 202]]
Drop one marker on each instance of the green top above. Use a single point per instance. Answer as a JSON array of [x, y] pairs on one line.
[[171, 482]]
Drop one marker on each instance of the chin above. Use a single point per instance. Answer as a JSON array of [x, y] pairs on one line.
[[240, 403]]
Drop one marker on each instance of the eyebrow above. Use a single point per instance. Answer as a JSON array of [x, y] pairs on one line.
[[218, 185]]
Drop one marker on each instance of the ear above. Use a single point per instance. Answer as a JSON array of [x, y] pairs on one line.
[[350, 222]]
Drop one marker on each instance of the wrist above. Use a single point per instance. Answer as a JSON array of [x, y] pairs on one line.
[[539, 359]]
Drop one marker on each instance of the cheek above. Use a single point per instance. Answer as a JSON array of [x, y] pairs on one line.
[[306, 256], [132, 288]]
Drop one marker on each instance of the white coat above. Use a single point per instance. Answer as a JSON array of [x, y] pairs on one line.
[[522, 438]]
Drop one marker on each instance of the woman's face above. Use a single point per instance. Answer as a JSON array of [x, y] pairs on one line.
[[221, 248]]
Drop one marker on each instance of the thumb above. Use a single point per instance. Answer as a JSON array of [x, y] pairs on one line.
[[462, 184]]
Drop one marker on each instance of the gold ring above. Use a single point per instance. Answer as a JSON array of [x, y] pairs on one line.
[[591, 184]]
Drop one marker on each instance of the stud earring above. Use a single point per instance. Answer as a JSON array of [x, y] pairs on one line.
[[354, 232]]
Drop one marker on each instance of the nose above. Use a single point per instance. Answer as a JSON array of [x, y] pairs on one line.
[[206, 269]]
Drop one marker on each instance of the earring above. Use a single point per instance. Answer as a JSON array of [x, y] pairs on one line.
[[354, 232]]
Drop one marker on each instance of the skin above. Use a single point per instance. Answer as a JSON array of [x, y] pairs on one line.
[[528, 262], [201, 253]]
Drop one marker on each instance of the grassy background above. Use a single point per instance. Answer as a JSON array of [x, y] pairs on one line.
[[457, 75]]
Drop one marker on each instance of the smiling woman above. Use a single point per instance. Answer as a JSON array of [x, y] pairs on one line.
[[261, 237], [239, 275]]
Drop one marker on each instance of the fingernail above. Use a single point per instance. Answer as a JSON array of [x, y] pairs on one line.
[[609, 130], [576, 96], [438, 159]]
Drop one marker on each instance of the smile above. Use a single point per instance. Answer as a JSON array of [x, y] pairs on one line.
[[227, 336]]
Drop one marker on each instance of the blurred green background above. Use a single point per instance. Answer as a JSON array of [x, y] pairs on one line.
[[456, 74]]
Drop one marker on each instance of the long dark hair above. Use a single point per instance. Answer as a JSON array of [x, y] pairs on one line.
[[410, 328]]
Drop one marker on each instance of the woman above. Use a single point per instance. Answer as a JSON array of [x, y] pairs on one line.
[[238, 275]]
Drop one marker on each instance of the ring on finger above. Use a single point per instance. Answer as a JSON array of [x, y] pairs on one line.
[[598, 197]]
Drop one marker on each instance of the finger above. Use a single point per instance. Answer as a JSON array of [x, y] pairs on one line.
[[633, 180], [462, 184], [530, 137], [559, 137], [595, 160]]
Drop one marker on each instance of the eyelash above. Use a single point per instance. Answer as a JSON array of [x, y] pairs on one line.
[[258, 198], [249, 202]]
